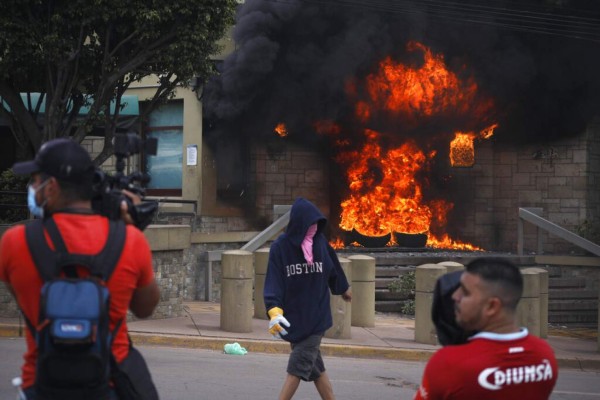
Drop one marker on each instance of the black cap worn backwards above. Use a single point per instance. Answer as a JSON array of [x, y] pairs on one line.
[[63, 159]]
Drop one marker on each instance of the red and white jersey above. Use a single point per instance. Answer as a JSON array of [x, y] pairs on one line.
[[491, 366]]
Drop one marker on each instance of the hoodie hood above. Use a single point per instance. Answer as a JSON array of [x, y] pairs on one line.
[[302, 216]]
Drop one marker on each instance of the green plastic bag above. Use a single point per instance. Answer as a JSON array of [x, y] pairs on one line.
[[234, 348]]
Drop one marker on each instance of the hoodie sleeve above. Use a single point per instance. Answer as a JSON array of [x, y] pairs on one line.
[[338, 283], [274, 291]]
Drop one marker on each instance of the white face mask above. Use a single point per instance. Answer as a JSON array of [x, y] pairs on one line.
[[35, 209]]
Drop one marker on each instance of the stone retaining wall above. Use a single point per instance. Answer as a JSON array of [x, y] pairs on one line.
[[172, 262]]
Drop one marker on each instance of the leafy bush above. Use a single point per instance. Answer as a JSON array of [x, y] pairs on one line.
[[13, 207], [405, 284], [408, 307]]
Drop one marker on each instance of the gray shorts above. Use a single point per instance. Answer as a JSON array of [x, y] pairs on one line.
[[305, 360]]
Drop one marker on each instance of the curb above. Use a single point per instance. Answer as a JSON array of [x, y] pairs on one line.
[[280, 347], [579, 363], [259, 346], [277, 347], [11, 331]]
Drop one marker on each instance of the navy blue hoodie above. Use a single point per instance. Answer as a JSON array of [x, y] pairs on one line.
[[300, 289]]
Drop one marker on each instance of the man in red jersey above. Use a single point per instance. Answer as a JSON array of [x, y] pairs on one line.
[[60, 188], [502, 361]]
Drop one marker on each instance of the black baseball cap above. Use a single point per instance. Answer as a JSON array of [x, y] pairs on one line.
[[61, 158]]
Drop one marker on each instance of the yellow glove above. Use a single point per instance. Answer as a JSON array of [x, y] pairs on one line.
[[277, 320]]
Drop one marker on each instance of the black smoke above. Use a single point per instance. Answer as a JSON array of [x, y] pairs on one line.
[[539, 60]]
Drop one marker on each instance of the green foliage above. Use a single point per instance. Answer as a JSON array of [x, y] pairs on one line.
[[408, 307], [73, 51], [13, 183], [405, 284]]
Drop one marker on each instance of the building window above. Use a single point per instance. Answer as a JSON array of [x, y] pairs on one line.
[[165, 168]]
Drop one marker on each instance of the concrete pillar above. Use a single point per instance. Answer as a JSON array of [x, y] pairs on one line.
[[363, 290], [261, 260], [452, 266], [426, 276], [236, 291], [544, 283], [341, 311], [528, 310]]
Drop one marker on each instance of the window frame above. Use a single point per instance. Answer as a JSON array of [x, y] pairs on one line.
[[172, 192]]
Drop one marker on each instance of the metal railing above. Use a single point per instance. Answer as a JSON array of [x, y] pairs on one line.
[[277, 226], [531, 215], [192, 214], [254, 244]]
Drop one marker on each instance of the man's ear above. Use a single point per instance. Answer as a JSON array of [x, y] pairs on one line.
[[52, 185], [493, 306]]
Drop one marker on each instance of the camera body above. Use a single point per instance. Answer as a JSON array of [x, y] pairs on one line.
[[108, 189]]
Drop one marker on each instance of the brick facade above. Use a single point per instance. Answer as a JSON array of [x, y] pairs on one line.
[[281, 177], [560, 177]]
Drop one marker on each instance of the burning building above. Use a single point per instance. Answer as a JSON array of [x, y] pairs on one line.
[[413, 118]]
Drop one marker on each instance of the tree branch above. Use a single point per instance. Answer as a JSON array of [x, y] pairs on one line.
[[21, 115]]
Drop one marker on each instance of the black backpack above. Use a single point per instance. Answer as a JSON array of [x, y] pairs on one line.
[[73, 336], [442, 311]]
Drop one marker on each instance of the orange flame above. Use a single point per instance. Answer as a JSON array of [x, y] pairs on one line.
[[429, 90], [385, 195], [281, 130], [488, 132], [462, 150], [386, 186], [337, 243]]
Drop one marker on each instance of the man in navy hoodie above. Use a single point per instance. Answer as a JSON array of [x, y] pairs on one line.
[[302, 269]]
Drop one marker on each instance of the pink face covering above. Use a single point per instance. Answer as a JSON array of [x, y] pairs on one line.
[[307, 243]]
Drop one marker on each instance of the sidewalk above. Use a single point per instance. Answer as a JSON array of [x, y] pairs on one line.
[[391, 338]]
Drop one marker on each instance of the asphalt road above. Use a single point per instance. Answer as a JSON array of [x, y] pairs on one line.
[[190, 374]]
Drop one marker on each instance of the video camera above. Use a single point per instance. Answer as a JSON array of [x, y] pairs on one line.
[[107, 189]]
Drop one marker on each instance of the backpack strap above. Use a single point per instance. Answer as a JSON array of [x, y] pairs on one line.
[[108, 258], [50, 263], [43, 256], [64, 262]]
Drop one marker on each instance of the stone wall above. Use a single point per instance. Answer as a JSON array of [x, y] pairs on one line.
[[94, 145], [290, 172], [208, 224], [170, 269], [195, 283], [593, 172], [8, 305], [560, 177], [553, 177], [171, 261]]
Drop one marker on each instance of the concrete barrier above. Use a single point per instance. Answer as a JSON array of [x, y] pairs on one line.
[[341, 311], [363, 290], [426, 276], [532, 311], [452, 266], [261, 261], [529, 308], [236, 291], [544, 284]]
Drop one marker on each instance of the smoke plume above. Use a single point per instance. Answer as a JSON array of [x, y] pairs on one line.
[[538, 60]]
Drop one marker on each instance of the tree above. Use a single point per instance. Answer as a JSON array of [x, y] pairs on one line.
[[86, 53]]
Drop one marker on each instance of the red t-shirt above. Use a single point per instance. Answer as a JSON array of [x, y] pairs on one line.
[[82, 234], [491, 366]]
